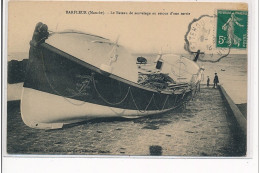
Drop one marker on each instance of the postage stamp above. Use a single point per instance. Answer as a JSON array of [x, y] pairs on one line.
[[231, 29]]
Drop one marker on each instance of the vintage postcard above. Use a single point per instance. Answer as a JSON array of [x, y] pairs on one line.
[[127, 79]]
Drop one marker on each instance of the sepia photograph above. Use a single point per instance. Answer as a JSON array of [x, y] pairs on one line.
[[127, 79]]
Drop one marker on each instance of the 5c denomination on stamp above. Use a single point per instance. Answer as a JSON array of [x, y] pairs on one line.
[[231, 29]]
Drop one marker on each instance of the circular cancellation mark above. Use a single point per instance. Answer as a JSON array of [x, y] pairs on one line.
[[201, 35]]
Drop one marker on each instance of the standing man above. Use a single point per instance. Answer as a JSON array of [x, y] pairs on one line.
[[208, 80], [216, 81]]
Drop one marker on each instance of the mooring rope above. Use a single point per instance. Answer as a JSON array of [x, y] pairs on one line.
[[131, 94], [110, 103], [94, 84], [57, 92], [99, 94]]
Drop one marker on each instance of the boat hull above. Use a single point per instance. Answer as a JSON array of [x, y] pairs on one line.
[[61, 89], [50, 111]]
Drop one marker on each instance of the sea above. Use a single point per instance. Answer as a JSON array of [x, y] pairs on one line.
[[232, 74], [231, 70]]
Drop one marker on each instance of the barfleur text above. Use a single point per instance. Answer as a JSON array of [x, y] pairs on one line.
[[84, 12]]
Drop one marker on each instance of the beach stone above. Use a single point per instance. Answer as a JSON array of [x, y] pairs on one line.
[[155, 150]]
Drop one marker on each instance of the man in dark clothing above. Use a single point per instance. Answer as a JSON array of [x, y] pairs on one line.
[[208, 80], [216, 81]]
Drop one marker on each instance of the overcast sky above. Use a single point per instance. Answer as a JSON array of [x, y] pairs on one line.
[[141, 33]]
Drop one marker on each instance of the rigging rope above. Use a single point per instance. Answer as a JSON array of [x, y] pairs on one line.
[[183, 94], [165, 102], [155, 104], [77, 32], [178, 67]]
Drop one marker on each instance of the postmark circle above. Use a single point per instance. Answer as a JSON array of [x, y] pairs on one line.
[[201, 35]]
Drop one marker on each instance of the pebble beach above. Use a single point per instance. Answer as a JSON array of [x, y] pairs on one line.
[[204, 128]]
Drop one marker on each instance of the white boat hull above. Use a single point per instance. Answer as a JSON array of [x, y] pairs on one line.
[[50, 111]]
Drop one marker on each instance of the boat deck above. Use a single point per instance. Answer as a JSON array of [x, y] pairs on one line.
[[204, 128]]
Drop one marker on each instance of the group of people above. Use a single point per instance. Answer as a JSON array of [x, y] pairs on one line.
[[215, 81]]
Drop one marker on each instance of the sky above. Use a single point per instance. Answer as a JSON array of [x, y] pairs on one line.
[[140, 33]]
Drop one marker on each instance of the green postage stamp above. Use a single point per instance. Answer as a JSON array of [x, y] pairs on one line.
[[231, 29]]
